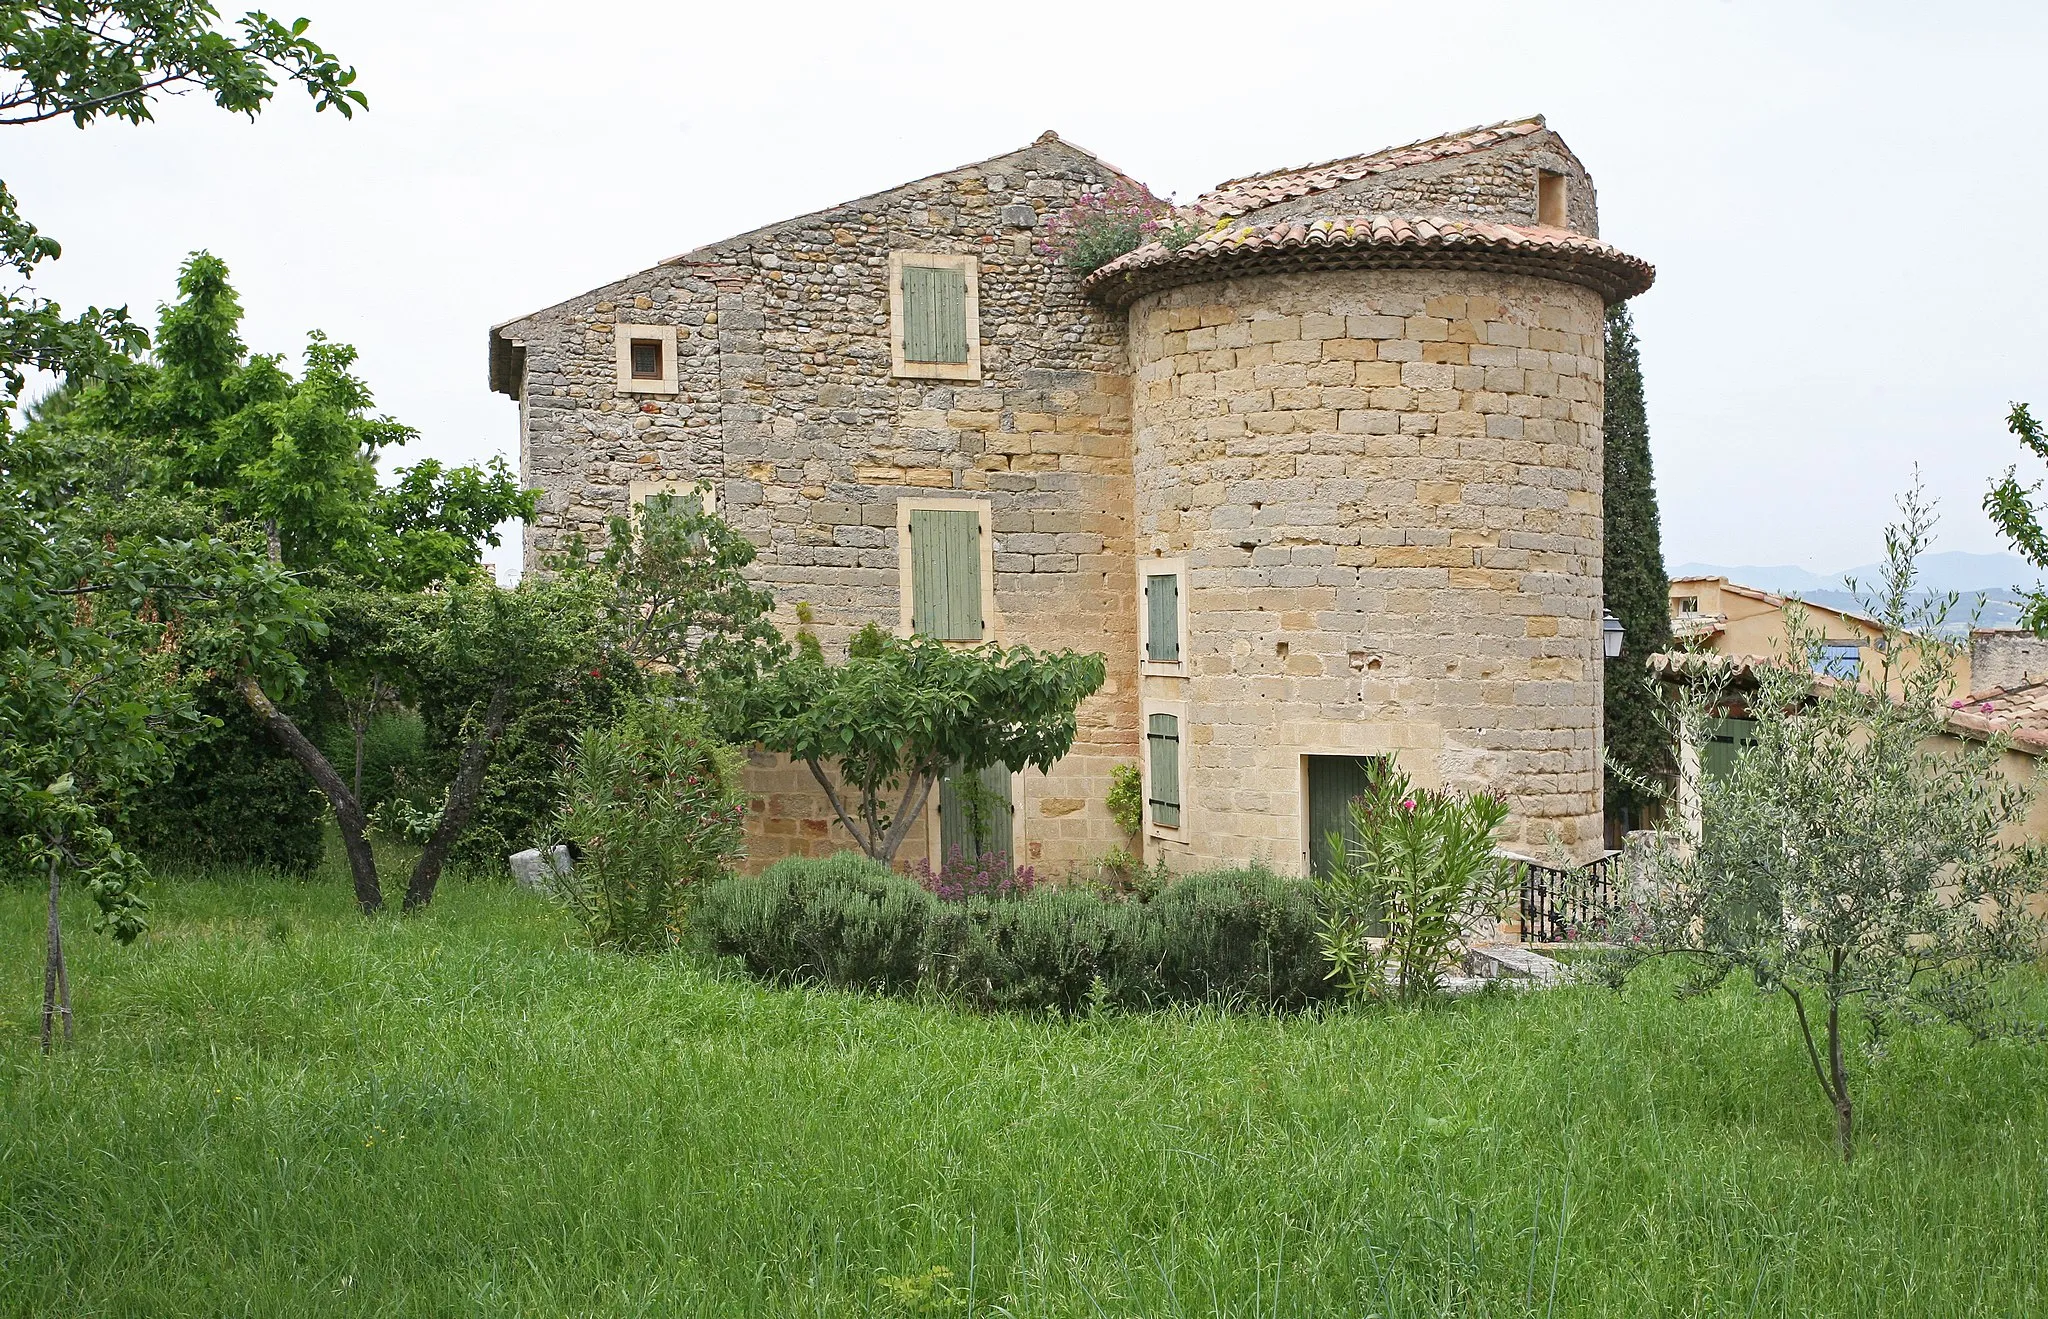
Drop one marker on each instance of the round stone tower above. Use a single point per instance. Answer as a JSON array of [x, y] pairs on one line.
[[1370, 445]]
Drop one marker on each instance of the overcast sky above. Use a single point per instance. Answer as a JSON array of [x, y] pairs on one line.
[[1844, 202]]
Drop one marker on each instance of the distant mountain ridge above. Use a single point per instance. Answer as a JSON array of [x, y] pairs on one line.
[[1950, 570], [1984, 582]]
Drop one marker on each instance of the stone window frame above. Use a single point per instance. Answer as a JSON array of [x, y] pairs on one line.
[[991, 621], [623, 336], [1179, 710], [637, 492], [970, 267], [1177, 568]]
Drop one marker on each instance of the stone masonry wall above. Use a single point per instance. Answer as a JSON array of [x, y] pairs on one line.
[[786, 403], [1387, 486], [1497, 184]]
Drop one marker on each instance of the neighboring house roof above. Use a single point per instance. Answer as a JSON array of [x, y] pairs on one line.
[[1254, 191], [1376, 242], [1964, 719], [1775, 600], [2024, 703]]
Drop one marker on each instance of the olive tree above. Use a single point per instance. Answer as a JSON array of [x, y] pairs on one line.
[[902, 712], [1852, 859]]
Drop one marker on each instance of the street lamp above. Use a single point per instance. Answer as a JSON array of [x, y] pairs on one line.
[[1610, 634]]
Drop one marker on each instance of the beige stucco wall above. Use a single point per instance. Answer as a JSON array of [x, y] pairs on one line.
[[1386, 485], [1756, 626]]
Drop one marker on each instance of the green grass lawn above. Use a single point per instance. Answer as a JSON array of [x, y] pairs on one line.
[[278, 1108]]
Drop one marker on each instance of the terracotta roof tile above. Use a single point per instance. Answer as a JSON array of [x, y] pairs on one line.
[[1417, 242], [1254, 191]]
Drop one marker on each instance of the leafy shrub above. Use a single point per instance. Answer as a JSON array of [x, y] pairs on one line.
[[394, 758], [843, 920], [1105, 225], [1126, 798], [524, 786], [988, 875], [231, 800], [1246, 937], [655, 811], [1418, 870]]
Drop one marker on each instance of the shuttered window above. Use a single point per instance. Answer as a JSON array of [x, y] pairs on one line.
[[976, 815], [945, 573], [934, 314], [1162, 737], [1162, 618], [663, 503]]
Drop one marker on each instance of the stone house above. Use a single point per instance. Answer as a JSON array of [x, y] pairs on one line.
[[1323, 484]]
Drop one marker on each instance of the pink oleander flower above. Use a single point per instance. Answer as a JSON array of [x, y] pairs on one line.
[[1408, 804], [1984, 708], [1957, 705]]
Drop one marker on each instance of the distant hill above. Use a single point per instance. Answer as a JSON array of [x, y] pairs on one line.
[[1983, 581], [1950, 570]]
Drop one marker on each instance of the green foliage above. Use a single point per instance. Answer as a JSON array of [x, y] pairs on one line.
[[228, 800], [1127, 798], [1851, 858], [1418, 871], [93, 59], [902, 712], [2010, 506], [1634, 587], [270, 1103], [655, 811], [1105, 225], [1245, 937], [680, 604], [241, 440]]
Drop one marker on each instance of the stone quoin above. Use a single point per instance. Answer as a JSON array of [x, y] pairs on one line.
[[1323, 484]]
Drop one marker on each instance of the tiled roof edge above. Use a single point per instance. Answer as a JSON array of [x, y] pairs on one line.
[[1374, 242]]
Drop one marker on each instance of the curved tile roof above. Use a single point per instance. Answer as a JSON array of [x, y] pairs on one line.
[[1375, 242], [1255, 191]]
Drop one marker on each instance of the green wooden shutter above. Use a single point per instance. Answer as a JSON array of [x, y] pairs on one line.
[[1334, 782], [1163, 734], [1162, 618], [663, 502], [945, 573], [934, 314], [956, 815]]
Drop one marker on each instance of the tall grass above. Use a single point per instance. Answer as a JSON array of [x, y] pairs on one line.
[[277, 1107]]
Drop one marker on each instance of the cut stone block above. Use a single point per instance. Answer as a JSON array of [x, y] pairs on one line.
[[531, 868]]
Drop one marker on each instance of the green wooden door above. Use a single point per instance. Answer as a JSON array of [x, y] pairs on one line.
[[945, 573], [1333, 781], [934, 314], [963, 798], [1725, 740]]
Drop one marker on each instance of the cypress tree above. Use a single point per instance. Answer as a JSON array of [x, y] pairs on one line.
[[1637, 591]]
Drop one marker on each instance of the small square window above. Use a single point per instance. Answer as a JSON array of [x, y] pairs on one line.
[[1839, 659], [1550, 199], [1688, 604], [646, 359]]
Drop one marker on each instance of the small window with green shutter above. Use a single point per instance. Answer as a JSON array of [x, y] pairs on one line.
[[945, 574], [933, 302], [1162, 618], [935, 314], [1162, 740]]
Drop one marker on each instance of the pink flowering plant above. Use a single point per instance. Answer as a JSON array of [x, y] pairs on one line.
[[1411, 872], [1104, 225], [987, 875]]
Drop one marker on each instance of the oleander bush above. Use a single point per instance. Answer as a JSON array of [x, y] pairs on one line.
[[1244, 937]]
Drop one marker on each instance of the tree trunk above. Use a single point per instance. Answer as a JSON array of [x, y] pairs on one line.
[[359, 726], [56, 985], [348, 811], [906, 815], [462, 797], [1844, 1110]]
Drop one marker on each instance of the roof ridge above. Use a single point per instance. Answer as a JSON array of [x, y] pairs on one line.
[[1247, 193], [1418, 143]]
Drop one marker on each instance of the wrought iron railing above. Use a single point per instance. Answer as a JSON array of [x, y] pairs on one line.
[[1562, 905]]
